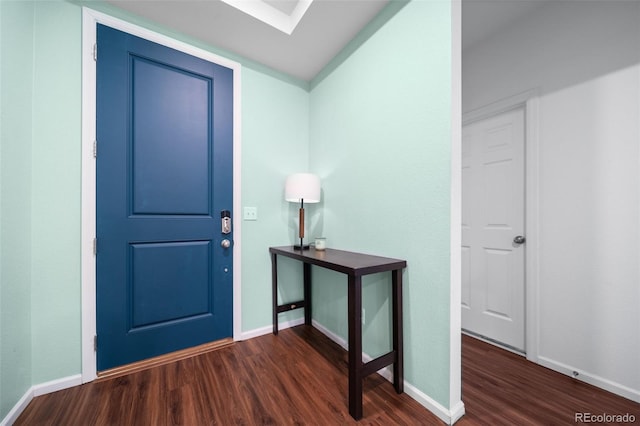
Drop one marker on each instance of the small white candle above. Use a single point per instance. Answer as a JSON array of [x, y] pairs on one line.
[[321, 243]]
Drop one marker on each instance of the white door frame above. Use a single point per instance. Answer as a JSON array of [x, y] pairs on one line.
[[528, 100], [90, 19]]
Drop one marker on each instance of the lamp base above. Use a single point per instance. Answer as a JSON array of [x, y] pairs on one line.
[[301, 247]]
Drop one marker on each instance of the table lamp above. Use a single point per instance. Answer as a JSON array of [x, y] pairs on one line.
[[301, 188]]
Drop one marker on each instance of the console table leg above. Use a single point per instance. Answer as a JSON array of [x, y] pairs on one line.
[[355, 347], [274, 292], [398, 366], [307, 293]]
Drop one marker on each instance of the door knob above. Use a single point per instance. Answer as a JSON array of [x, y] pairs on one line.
[[225, 243], [519, 239]]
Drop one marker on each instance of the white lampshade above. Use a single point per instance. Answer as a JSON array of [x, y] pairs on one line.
[[302, 186]]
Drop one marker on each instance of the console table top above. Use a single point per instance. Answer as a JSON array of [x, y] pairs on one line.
[[347, 262]]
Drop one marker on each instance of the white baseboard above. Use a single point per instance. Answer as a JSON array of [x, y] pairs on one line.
[[447, 416], [37, 390], [592, 379], [456, 412], [246, 335], [17, 409], [331, 335], [56, 385]]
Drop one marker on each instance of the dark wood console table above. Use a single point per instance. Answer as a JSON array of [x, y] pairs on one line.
[[354, 265]]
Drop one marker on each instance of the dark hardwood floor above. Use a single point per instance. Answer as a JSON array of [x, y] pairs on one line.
[[502, 388], [300, 377]]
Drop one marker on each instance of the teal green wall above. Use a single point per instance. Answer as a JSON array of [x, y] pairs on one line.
[[380, 140], [275, 143], [376, 129], [16, 123], [56, 188]]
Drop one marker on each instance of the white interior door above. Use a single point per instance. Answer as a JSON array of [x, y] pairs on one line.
[[493, 202]]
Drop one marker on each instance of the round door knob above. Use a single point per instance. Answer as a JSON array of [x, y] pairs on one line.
[[519, 239], [225, 243]]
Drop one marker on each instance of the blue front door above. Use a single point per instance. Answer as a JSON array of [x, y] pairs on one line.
[[164, 175]]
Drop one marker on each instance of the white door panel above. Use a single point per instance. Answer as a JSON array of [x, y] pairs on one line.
[[492, 215]]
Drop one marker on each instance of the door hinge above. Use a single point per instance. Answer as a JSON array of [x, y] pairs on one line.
[[95, 343], [95, 52], [95, 246], [95, 149]]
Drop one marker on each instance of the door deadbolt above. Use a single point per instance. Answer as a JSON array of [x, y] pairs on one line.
[[225, 217]]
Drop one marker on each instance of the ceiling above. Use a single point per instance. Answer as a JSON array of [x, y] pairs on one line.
[[483, 18], [324, 27]]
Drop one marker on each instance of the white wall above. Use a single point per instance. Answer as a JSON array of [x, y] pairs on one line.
[[584, 60]]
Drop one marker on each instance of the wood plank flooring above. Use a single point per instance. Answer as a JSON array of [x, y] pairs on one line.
[[300, 377], [502, 388]]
